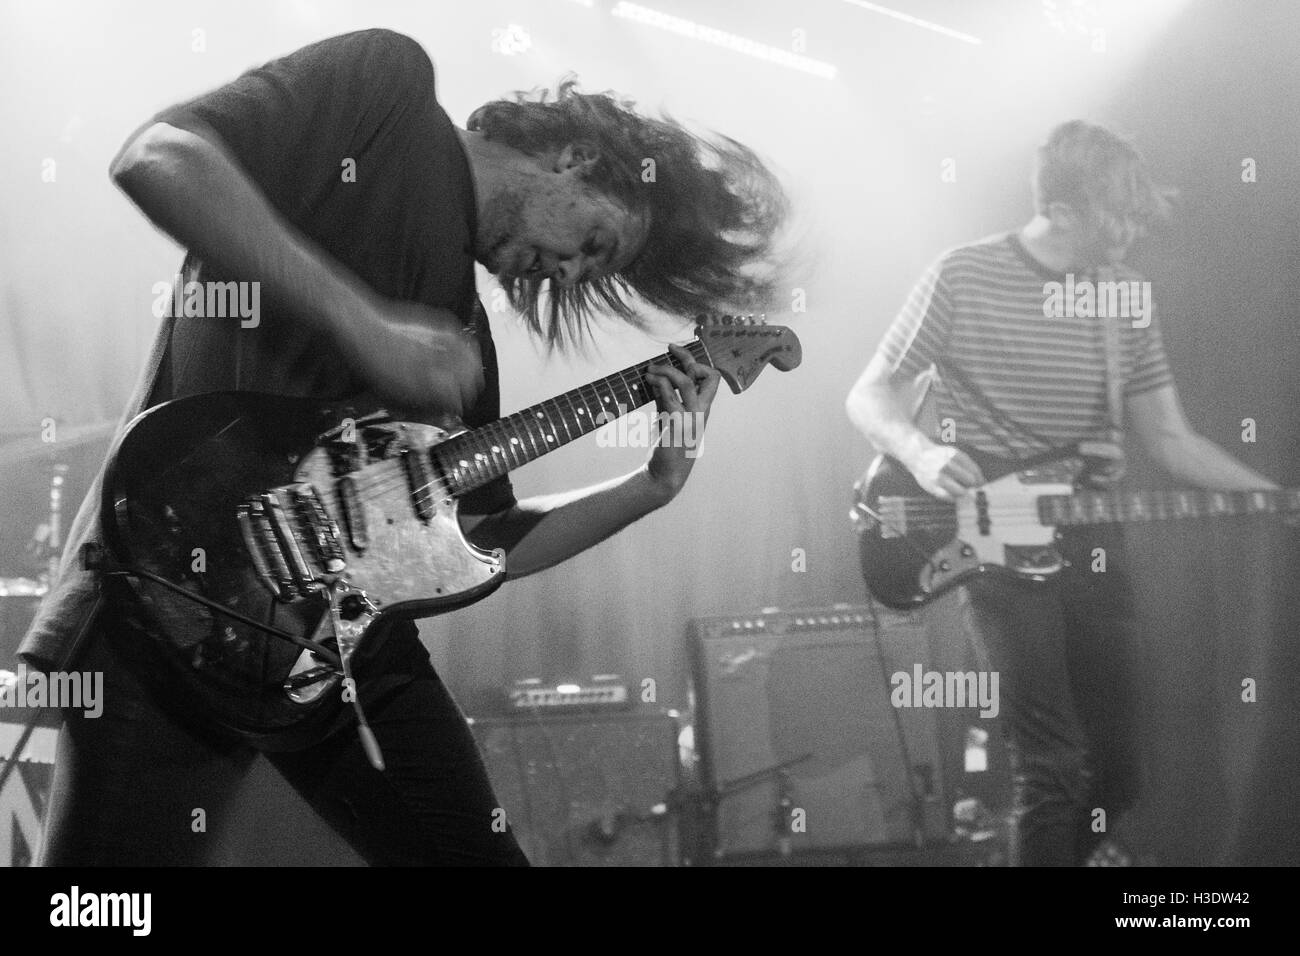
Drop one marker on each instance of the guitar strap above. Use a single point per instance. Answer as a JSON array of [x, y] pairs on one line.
[[1114, 426], [1114, 374], [951, 372]]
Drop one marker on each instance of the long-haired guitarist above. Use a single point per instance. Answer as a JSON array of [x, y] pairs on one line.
[[333, 180], [1012, 326]]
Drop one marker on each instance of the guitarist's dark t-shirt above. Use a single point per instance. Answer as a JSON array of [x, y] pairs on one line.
[[347, 141]]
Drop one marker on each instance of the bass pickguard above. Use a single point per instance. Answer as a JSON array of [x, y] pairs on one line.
[[998, 527], [914, 547]]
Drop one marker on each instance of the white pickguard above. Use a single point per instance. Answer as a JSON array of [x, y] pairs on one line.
[[1011, 509]]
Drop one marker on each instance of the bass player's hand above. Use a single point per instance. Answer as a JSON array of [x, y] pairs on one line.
[[945, 471]]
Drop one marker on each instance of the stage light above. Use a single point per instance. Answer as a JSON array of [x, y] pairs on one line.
[[916, 21], [1071, 16], [730, 41], [511, 40]]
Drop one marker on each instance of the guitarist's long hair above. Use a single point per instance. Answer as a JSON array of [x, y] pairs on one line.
[[714, 209]]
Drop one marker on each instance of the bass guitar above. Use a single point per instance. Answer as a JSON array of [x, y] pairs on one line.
[[914, 547]]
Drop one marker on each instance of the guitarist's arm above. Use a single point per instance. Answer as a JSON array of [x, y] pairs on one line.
[[191, 187], [543, 531], [877, 405], [1158, 420]]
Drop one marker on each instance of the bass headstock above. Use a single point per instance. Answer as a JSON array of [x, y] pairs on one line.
[[740, 347]]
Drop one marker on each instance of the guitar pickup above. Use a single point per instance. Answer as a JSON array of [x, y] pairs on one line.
[[353, 516], [417, 479]]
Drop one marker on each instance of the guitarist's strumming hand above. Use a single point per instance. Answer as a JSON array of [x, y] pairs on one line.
[[415, 357], [944, 471], [686, 394]]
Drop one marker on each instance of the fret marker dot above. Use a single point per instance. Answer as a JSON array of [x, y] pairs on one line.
[[514, 441], [464, 463], [496, 449], [540, 415], [479, 456], [580, 411], [550, 438]]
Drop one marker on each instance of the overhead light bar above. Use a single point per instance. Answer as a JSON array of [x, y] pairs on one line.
[[916, 21], [730, 41]]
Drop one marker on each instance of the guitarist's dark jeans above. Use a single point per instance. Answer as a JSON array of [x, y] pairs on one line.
[[127, 783], [1067, 657]]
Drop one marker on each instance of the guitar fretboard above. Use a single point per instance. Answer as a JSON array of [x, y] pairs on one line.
[[1107, 507], [484, 454]]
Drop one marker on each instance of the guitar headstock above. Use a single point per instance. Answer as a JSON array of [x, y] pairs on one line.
[[740, 346]]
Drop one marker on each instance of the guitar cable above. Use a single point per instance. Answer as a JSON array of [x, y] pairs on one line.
[[93, 558]]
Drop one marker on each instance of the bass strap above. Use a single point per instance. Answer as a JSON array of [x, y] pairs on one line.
[[1114, 375]]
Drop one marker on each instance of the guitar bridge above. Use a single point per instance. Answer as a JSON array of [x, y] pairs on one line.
[[292, 541]]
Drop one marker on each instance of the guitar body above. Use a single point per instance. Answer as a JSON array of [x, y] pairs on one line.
[[915, 547], [176, 503], [261, 540]]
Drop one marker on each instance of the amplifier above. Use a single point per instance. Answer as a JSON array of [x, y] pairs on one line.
[[589, 790], [570, 697], [799, 745]]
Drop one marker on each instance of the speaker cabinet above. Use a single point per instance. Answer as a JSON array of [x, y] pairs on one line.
[[799, 745], [586, 790]]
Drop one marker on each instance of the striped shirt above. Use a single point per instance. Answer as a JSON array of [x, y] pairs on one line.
[[980, 308]]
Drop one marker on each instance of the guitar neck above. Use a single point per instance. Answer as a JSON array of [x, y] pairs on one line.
[[1109, 507], [476, 457]]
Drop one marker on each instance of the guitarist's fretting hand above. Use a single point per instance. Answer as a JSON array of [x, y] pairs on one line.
[[689, 392], [945, 471]]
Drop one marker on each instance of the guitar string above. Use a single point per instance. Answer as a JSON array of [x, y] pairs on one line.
[[390, 482], [591, 390], [332, 496], [1168, 509], [931, 521]]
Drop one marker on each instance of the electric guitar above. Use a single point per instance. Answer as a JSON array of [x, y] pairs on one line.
[[914, 547], [262, 539]]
